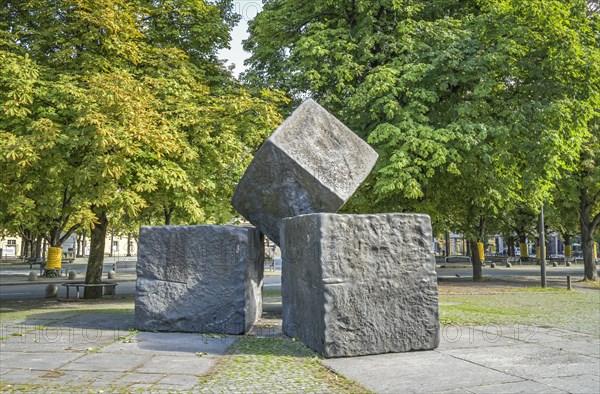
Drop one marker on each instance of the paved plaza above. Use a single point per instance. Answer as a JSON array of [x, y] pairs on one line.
[[99, 351], [73, 352]]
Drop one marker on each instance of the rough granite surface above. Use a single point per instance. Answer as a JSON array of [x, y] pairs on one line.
[[311, 163], [199, 279], [359, 284]]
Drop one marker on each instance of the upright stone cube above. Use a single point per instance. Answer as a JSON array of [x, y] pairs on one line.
[[199, 279], [359, 284], [311, 163]]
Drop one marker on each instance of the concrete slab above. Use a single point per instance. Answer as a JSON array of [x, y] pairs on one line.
[[575, 384], [193, 365], [21, 376], [38, 361], [518, 360], [142, 378], [103, 362], [85, 378], [412, 372], [171, 343], [463, 337], [519, 387], [178, 382]]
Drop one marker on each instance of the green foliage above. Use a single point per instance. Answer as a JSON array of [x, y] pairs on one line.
[[120, 105], [476, 109]]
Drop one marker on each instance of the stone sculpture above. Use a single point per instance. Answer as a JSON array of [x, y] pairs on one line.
[[359, 284], [311, 163], [199, 279]]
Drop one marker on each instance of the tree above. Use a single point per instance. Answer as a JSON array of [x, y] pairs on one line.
[[472, 107], [106, 109]]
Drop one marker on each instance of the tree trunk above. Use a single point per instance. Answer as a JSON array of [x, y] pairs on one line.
[[96, 259], [447, 243], [588, 225], [475, 261], [590, 271], [83, 242], [167, 212], [112, 237], [128, 244], [511, 246], [78, 249], [38, 248]]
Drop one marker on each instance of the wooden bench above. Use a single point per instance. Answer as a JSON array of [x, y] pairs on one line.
[[110, 285], [457, 259]]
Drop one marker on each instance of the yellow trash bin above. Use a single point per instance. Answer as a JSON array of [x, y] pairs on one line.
[[481, 251], [54, 259], [523, 248], [568, 250]]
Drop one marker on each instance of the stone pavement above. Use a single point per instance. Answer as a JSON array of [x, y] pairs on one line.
[[99, 352]]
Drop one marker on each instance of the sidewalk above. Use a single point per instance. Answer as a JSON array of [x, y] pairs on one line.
[[69, 349], [17, 273], [99, 352]]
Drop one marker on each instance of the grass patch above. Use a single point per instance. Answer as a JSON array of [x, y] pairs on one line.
[[277, 365], [23, 309], [569, 310]]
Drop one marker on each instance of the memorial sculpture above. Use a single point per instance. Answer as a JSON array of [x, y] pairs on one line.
[[351, 284], [199, 279], [311, 163], [355, 285]]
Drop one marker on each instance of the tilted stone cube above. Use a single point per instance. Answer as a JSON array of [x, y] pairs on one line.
[[311, 163], [359, 284], [199, 279]]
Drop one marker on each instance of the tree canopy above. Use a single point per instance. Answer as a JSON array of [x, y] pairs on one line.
[[475, 107], [117, 108]]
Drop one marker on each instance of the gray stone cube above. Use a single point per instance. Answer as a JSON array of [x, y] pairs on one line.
[[359, 284], [311, 163], [199, 279]]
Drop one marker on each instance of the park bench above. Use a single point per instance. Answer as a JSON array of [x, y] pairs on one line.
[[77, 285], [270, 263], [125, 264], [513, 260], [34, 260], [456, 259]]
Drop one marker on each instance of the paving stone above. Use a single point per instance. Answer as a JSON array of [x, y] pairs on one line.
[[311, 163], [518, 360], [386, 373], [359, 284], [515, 388], [142, 378], [179, 381], [21, 376], [41, 361], [96, 379], [199, 279], [102, 362], [581, 384], [193, 365], [173, 344]]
